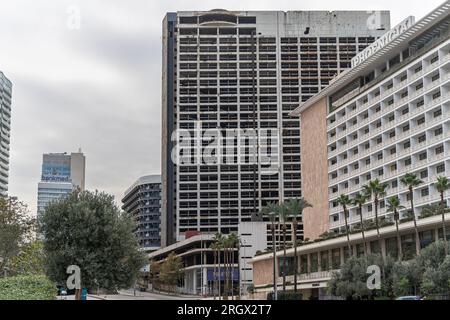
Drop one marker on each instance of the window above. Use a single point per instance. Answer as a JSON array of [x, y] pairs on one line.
[[420, 121], [422, 138], [405, 111], [423, 156], [439, 150], [406, 145], [436, 95], [394, 184], [423, 174], [438, 131], [437, 113], [440, 168], [247, 20], [408, 162], [405, 128], [424, 192]]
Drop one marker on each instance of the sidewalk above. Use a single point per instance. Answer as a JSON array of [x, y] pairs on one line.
[[130, 292]]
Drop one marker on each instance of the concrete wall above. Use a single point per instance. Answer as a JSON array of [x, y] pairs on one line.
[[314, 169], [78, 169], [263, 272], [253, 236]]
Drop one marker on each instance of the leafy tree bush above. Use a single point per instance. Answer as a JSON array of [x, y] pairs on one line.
[[170, 271], [31, 287], [30, 259], [16, 228], [87, 229]]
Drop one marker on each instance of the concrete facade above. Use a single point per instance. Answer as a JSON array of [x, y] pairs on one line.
[[314, 169], [216, 65], [5, 132], [384, 118], [143, 201], [61, 174]]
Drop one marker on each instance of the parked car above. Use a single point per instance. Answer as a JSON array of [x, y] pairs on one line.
[[410, 298]]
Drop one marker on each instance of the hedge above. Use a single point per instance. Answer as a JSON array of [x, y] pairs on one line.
[[32, 287]]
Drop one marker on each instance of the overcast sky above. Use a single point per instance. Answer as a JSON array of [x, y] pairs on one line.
[[98, 87]]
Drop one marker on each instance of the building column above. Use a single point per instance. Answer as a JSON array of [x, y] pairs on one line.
[[383, 248], [436, 234], [342, 253], [308, 262], [319, 261], [330, 259], [205, 281]]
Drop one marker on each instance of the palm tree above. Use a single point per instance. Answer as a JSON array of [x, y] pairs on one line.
[[377, 190], [295, 209], [270, 210], [442, 185], [214, 247], [219, 240], [233, 240], [359, 200], [410, 180], [226, 246], [393, 205], [344, 201], [283, 216]]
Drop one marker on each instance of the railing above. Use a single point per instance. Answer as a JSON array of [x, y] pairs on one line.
[[386, 93], [394, 106]]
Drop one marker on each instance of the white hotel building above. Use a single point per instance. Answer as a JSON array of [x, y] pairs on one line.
[[387, 116]]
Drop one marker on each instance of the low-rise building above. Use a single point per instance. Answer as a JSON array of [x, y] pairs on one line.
[[318, 260], [143, 201], [200, 268]]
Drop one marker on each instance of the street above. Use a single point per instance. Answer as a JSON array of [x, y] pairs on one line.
[[129, 295]]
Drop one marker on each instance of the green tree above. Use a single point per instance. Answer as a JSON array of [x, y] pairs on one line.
[[411, 181], [270, 211], [442, 185], [218, 240], [30, 259], [171, 270], [87, 229], [295, 209], [344, 201], [16, 229], [283, 218], [437, 280], [377, 190], [351, 281], [27, 287], [359, 200], [393, 205]]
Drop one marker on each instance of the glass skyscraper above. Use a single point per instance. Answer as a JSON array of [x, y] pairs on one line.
[[61, 174]]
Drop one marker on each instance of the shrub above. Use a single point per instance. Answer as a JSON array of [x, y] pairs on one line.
[[33, 287], [288, 295]]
